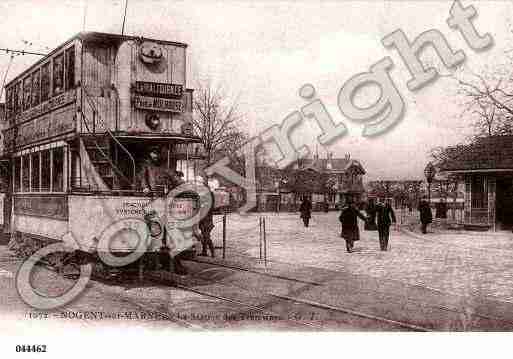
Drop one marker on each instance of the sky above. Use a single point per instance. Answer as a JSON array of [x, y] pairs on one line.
[[262, 52]]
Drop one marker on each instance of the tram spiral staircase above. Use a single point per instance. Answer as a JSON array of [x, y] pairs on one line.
[[99, 143]]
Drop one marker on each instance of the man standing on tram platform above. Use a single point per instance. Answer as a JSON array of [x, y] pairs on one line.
[[157, 180], [155, 176]]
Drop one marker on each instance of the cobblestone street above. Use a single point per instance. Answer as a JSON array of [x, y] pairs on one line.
[[471, 264]]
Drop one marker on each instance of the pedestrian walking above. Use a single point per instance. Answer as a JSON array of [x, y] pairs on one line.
[[306, 211], [349, 220], [385, 217], [426, 216]]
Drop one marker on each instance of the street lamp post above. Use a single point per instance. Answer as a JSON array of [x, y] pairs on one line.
[[429, 172]]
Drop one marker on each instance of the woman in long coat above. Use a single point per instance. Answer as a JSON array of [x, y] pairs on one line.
[[349, 220]]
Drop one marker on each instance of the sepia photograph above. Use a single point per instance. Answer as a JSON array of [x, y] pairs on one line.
[[308, 173]]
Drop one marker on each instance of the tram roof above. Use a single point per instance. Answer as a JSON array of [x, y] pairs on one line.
[[107, 37], [93, 36]]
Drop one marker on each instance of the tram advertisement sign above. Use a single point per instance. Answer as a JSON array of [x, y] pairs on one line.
[[179, 209], [158, 104], [158, 89], [48, 126]]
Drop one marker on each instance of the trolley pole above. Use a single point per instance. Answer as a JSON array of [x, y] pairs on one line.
[[224, 236]]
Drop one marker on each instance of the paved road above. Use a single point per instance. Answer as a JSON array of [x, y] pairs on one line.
[[442, 281], [465, 264]]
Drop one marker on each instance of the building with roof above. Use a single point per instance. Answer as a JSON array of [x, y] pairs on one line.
[[325, 181], [486, 168]]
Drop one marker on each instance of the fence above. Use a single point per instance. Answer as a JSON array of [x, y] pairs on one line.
[[236, 235], [407, 216]]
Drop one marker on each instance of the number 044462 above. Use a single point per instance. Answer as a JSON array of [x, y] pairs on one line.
[[30, 348]]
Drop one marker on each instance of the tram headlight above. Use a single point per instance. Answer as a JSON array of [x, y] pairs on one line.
[[152, 121], [155, 228]]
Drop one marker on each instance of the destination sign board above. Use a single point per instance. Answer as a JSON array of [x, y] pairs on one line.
[[47, 106], [158, 89], [158, 104]]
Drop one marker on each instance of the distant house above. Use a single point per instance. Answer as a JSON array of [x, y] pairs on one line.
[[324, 180], [486, 168]]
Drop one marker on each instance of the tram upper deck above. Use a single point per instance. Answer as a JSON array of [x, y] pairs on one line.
[[81, 119]]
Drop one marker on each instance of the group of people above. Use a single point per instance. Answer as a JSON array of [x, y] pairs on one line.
[[378, 216]]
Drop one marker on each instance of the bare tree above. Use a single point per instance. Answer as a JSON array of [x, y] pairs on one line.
[[216, 121], [490, 99]]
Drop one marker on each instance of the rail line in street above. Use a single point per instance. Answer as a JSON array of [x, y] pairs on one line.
[[489, 319], [289, 305]]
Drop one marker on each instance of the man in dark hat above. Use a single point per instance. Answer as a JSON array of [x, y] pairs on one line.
[[385, 217], [349, 220], [157, 180]]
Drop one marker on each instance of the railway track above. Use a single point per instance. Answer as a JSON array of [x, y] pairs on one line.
[[241, 307], [292, 309], [489, 320]]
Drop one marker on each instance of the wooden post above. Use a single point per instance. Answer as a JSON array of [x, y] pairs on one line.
[[224, 236], [265, 244]]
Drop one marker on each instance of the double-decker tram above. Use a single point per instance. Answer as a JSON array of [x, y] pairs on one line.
[[80, 123]]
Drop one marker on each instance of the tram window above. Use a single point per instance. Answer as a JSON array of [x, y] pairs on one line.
[[70, 68], [58, 74], [14, 99], [45, 82], [27, 86], [45, 171], [25, 174], [35, 172], [58, 169], [8, 102], [16, 174], [35, 88], [19, 96]]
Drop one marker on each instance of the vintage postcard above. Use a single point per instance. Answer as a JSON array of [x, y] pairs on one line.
[[301, 167]]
